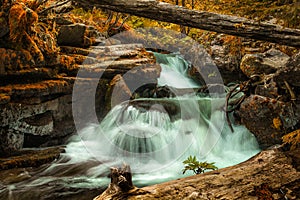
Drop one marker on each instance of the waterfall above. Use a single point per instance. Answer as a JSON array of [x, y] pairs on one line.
[[155, 146], [154, 140], [174, 71], [155, 143]]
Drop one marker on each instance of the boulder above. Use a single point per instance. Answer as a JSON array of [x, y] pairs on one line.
[[11, 141], [268, 119], [263, 63], [117, 92], [290, 72], [78, 35], [226, 62], [267, 90]]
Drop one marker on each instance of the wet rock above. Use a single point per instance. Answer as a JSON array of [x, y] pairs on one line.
[[164, 91], [173, 108], [145, 91], [263, 63], [268, 119], [30, 158], [78, 35]]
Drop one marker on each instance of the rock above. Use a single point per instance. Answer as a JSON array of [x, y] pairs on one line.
[[173, 109], [78, 35], [117, 92], [11, 141], [64, 8], [33, 93], [263, 63], [40, 124], [267, 90], [4, 98], [223, 58], [61, 20], [270, 174], [268, 119], [13, 112], [12, 60], [290, 72], [36, 97], [30, 158]]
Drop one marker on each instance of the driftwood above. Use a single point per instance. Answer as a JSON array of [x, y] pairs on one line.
[[271, 174], [231, 25]]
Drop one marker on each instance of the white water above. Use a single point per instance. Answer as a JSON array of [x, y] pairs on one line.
[[150, 141], [174, 71], [153, 144]]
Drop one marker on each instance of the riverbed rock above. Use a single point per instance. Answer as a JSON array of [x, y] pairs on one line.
[[268, 119], [263, 63], [30, 158]]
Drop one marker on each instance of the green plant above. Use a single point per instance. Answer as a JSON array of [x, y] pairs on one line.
[[191, 163]]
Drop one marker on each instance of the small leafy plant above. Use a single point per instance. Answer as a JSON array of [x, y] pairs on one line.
[[191, 163]]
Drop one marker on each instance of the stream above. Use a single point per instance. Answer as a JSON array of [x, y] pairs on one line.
[[151, 139]]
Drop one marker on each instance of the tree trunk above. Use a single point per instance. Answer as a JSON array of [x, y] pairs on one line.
[[271, 174], [231, 25]]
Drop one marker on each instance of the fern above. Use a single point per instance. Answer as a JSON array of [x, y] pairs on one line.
[[191, 163], [292, 138]]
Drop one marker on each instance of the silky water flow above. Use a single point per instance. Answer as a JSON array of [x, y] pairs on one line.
[[152, 141]]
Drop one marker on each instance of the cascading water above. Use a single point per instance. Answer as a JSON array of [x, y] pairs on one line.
[[174, 71], [151, 140]]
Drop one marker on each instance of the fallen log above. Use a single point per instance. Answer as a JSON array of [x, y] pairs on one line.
[[271, 174], [227, 24]]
